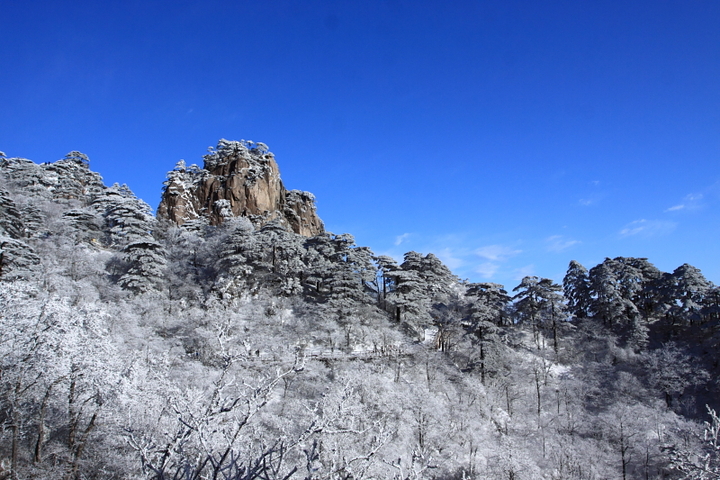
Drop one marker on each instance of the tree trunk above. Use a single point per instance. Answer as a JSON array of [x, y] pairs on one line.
[[72, 414], [41, 428], [537, 389], [482, 358], [14, 449]]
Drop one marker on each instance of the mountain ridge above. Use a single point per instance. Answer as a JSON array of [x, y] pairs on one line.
[[182, 351]]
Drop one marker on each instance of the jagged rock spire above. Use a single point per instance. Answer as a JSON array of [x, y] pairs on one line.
[[238, 179]]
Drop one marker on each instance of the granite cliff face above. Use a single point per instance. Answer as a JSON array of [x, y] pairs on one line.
[[238, 179]]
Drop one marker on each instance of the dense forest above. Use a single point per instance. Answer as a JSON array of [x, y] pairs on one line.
[[230, 347]]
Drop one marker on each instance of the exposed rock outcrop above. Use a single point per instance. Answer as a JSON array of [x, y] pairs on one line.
[[239, 179]]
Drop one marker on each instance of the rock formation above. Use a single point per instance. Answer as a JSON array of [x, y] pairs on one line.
[[69, 178], [239, 179]]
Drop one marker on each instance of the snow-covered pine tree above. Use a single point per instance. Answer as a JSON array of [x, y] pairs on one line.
[[11, 221], [488, 310], [688, 287], [276, 258], [607, 301], [624, 295], [18, 260], [409, 298], [127, 218], [84, 225], [539, 304], [383, 282], [436, 277], [145, 264], [576, 287], [234, 263]]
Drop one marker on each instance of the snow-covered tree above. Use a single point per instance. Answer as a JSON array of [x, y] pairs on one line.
[[383, 280], [84, 225], [688, 288], [576, 288], [17, 259], [609, 299], [410, 296], [11, 221], [539, 304], [59, 374], [127, 218], [488, 310], [145, 265]]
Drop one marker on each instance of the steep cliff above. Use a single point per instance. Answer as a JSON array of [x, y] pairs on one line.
[[238, 179]]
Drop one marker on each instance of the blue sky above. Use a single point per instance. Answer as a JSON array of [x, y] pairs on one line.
[[506, 137]]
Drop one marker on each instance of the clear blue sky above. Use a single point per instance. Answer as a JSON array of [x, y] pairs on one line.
[[507, 137]]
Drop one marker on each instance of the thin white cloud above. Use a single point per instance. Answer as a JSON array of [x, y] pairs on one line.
[[487, 269], [525, 271], [647, 228], [496, 253], [450, 258], [558, 243], [401, 238], [690, 202]]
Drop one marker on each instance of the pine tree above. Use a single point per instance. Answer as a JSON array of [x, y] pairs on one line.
[[127, 218], [11, 221], [688, 287], [437, 279], [608, 302], [539, 304], [624, 293], [84, 226], [576, 287], [488, 309], [18, 260], [409, 297], [384, 282], [235, 266], [145, 260], [276, 258]]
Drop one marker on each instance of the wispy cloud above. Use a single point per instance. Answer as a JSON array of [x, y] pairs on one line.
[[525, 271], [558, 243], [690, 202], [496, 253], [594, 195], [647, 228], [401, 238], [487, 269], [450, 258]]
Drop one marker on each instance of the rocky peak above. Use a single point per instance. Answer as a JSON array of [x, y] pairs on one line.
[[238, 179]]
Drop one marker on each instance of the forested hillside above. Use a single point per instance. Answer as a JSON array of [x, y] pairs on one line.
[[252, 344]]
